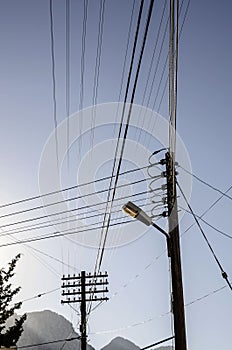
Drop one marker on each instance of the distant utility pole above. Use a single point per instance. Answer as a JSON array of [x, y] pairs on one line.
[[84, 289]]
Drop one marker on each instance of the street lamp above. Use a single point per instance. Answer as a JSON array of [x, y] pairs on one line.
[[137, 213], [174, 253]]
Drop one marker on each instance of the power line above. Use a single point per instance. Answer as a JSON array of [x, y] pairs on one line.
[[102, 248], [140, 323], [58, 221], [50, 256], [165, 64], [47, 343], [205, 296], [62, 234], [97, 66], [209, 208], [41, 295], [67, 76], [64, 201], [109, 205], [159, 316], [53, 78], [128, 121], [157, 343], [151, 65], [208, 184], [208, 224], [121, 124], [69, 199], [223, 273], [68, 211], [125, 58], [83, 48], [70, 188]]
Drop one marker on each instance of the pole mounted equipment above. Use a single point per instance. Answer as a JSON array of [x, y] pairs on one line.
[[173, 245], [83, 288]]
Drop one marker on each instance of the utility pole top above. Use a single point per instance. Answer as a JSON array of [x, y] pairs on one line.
[[84, 288]]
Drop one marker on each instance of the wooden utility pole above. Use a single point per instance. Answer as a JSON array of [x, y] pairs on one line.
[[85, 287], [173, 240], [175, 258], [83, 312]]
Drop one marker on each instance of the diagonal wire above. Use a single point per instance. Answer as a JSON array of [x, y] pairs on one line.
[[224, 274], [208, 224], [206, 183], [210, 207]]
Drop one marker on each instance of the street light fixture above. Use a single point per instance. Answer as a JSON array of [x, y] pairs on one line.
[[174, 253], [137, 213]]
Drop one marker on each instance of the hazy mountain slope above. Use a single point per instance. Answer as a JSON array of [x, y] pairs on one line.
[[120, 343], [47, 326], [124, 344]]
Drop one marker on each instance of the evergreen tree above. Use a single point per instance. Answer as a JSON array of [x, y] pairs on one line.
[[9, 335]]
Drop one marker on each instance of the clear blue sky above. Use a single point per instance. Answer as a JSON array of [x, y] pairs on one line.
[[137, 310]]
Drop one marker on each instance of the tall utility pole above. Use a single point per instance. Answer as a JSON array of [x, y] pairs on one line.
[[174, 253], [85, 288], [174, 244]]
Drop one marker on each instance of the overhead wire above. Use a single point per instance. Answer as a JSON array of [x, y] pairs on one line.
[[41, 261], [165, 64], [205, 296], [120, 128], [104, 232], [47, 343], [52, 257], [127, 123], [53, 80], [164, 70], [158, 343], [208, 224], [67, 92], [63, 201], [52, 224], [209, 208], [125, 60], [97, 68], [64, 343], [41, 295], [206, 183], [83, 49], [69, 188], [223, 272], [156, 67], [61, 234], [67, 77], [102, 242], [65, 211], [110, 331], [127, 90]]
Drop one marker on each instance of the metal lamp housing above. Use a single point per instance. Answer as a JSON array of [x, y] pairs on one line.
[[137, 213]]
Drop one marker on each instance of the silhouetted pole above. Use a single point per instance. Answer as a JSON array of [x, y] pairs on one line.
[[84, 288], [174, 252], [83, 312]]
